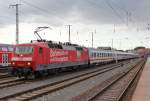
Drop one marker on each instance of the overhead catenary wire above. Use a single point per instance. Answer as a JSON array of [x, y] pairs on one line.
[[131, 17], [114, 10], [41, 9], [125, 11], [110, 6]]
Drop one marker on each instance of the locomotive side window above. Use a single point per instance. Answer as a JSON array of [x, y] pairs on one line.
[[40, 50]]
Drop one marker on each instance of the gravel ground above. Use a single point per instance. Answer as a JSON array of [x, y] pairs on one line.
[[67, 93], [29, 85]]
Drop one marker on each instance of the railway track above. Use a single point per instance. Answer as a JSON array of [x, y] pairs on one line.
[[112, 89], [7, 81], [4, 75], [11, 82], [4, 72], [3, 69], [49, 88]]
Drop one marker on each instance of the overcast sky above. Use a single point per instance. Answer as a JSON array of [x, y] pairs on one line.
[[130, 18]]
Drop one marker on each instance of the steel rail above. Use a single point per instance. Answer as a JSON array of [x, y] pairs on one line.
[[36, 92], [116, 80]]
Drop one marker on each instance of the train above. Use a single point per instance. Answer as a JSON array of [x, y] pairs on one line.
[[43, 57], [6, 51]]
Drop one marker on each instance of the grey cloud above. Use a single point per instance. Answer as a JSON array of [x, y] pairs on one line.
[[56, 12]]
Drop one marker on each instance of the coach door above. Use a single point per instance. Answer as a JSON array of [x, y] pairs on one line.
[[5, 59]]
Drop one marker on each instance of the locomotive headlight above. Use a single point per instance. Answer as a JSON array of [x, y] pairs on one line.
[[13, 63], [28, 63]]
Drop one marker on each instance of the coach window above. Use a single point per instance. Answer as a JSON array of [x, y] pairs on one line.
[[101, 54], [94, 54], [97, 54], [91, 54], [40, 50]]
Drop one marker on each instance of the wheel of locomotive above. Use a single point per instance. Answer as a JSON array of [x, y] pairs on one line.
[[55, 71], [33, 75], [74, 68]]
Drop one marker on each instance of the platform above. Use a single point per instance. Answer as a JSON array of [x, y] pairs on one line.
[[142, 91]]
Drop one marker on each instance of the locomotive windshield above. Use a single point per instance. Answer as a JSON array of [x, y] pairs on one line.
[[24, 50]]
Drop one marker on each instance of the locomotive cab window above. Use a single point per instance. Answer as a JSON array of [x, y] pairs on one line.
[[23, 49]]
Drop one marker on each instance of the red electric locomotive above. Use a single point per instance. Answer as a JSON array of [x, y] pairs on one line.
[[5, 54], [43, 56]]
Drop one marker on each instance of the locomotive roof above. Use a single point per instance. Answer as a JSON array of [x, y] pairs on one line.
[[51, 44], [42, 44]]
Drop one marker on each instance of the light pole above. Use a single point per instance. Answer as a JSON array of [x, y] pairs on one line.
[[92, 39], [87, 41], [147, 39], [69, 38], [17, 21], [113, 50], [131, 45]]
